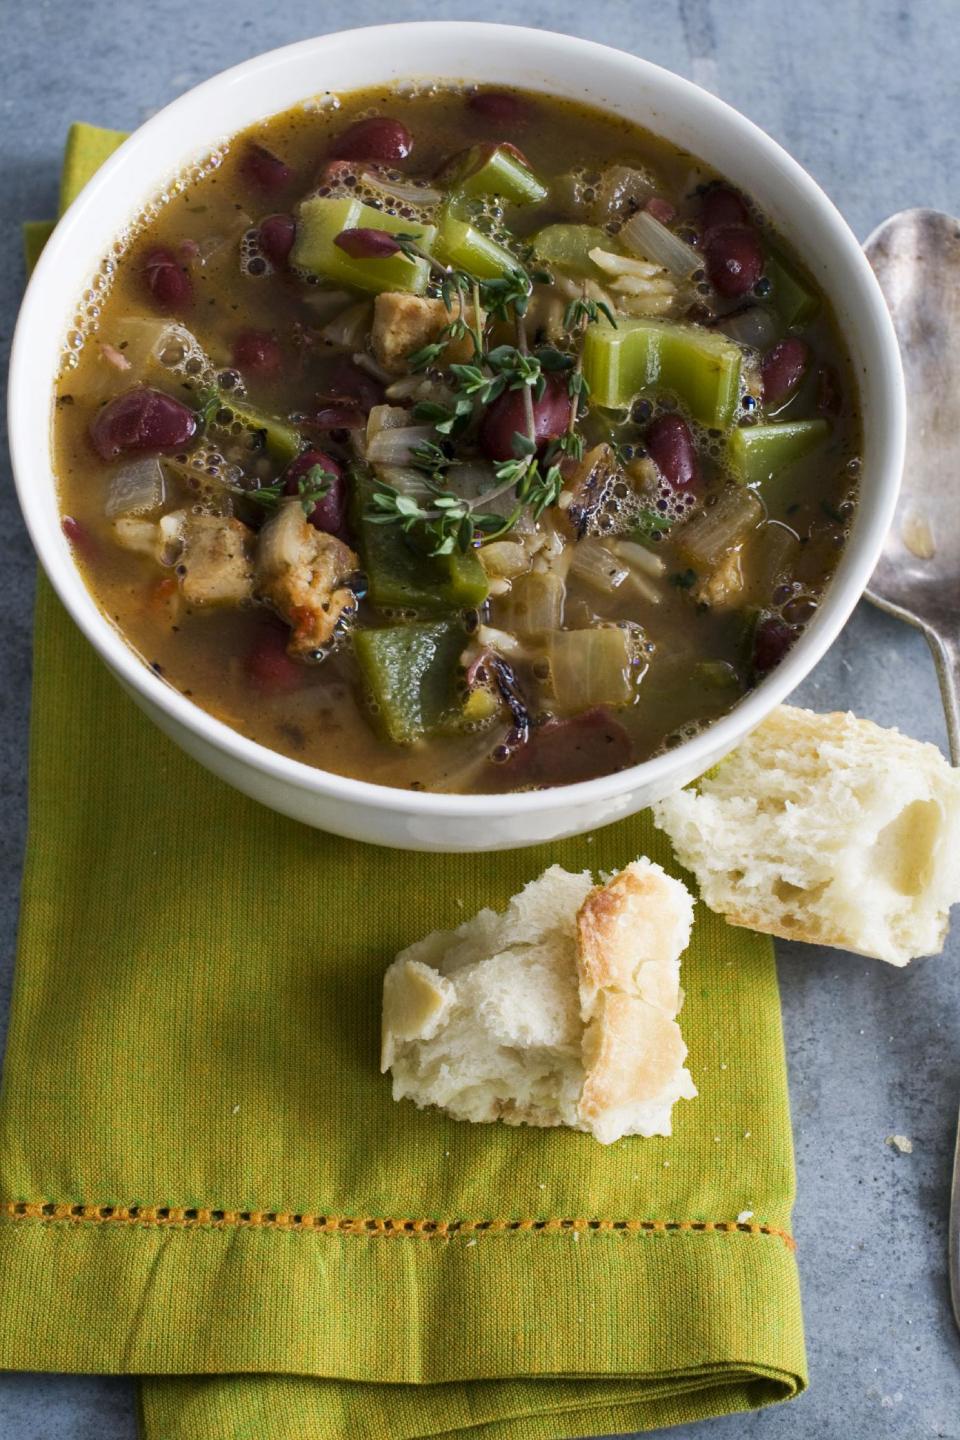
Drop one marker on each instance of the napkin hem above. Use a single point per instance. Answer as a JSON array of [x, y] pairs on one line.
[[187, 1301], [197, 1217]]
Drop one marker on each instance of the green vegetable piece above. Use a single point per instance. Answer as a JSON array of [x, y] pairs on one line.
[[320, 221], [791, 299], [700, 366], [411, 674], [567, 248], [234, 423], [758, 452], [400, 577], [463, 246], [495, 170]]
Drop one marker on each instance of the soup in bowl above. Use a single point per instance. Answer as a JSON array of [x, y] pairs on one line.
[[468, 445]]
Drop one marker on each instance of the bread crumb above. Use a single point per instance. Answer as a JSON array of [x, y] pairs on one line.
[[471, 1242], [747, 1134], [235, 1110], [541, 1186], [666, 1164], [901, 1143], [723, 1064], [459, 903], [744, 1216]]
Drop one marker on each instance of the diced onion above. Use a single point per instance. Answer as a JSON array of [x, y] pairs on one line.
[[141, 536], [597, 566], [643, 235], [534, 605], [136, 488], [395, 447], [504, 559], [623, 264], [754, 326], [350, 328], [707, 536], [412, 194], [638, 557], [590, 667], [404, 479]]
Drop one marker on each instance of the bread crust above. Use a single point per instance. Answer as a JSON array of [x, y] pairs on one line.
[[829, 830], [561, 1010]]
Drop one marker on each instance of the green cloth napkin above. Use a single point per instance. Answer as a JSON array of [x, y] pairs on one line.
[[204, 1180]]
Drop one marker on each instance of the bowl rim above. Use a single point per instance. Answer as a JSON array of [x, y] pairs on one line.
[[889, 427]]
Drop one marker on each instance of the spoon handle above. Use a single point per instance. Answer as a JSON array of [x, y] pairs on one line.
[[946, 654]]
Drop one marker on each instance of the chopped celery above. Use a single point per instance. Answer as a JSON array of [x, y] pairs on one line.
[[495, 170], [320, 221], [237, 424], [568, 248], [701, 367], [466, 248], [791, 299], [402, 578], [411, 674], [757, 452], [590, 667]]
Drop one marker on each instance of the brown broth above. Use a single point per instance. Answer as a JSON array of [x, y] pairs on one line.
[[324, 721]]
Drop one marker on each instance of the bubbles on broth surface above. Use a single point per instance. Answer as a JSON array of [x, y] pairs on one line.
[[87, 319], [392, 191]]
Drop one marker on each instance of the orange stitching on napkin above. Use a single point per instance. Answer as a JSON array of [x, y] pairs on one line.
[[200, 1217]]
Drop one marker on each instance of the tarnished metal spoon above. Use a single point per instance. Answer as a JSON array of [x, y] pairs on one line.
[[916, 258]]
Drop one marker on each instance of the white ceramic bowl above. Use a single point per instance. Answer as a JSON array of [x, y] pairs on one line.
[[495, 54]]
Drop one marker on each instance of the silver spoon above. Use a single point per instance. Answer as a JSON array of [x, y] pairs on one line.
[[916, 258]]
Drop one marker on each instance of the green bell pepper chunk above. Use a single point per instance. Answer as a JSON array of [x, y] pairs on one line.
[[567, 247], [402, 578], [320, 221], [791, 299], [463, 246], [238, 422], [700, 366], [494, 170], [411, 674], [758, 452]]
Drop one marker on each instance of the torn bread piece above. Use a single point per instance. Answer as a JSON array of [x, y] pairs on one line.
[[559, 1011], [828, 829]]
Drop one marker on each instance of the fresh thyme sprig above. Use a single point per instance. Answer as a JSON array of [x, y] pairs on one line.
[[311, 488]]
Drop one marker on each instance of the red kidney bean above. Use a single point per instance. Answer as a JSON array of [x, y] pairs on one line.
[[257, 351], [506, 417], [829, 394], [721, 206], [734, 259], [562, 752], [79, 536], [269, 666], [141, 420], [660, 209], [346, 381], [277, 234], [264, 169], [771, 641], [330, 513], [782, 369], [347, 416], [166, 279], [670, 443], [500, 107], [365, 244], [376, 138]]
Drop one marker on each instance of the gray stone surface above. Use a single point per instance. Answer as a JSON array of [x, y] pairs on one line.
[[864, 94]]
